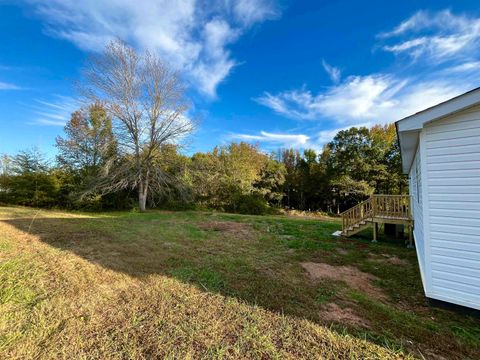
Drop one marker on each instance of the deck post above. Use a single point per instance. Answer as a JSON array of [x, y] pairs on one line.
[[410, 239], [375, 230]]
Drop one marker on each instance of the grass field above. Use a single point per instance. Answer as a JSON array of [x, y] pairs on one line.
[[210, 285]]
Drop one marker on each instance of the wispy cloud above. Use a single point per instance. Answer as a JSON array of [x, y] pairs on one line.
[[444, 47], [358, 97], [54, 112], [275, 139], [252, 11], [437, 36], [377, 97], [333, 72], [465, 67], [316, 140], [9, 86], [193, 35]]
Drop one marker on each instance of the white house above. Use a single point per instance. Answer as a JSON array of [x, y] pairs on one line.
[[440, 149]]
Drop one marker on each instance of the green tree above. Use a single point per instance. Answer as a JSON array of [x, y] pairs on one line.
[[291, 159], [30, 181], [354, 165], [176, 188], [363, 161], [270, 184], [206, 173], [88, 143], [236, 177], [389, 177], [350, 166]]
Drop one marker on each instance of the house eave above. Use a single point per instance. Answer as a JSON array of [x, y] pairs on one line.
[[408, 147], [409, 128]]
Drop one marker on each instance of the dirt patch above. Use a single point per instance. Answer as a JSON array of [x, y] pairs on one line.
[[354, 278], [390, 259], [333, 312], [432, 354], [396, 261], [229, 227], [342, 251]]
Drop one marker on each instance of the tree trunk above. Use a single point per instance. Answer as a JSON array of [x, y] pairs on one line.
[[142, 197], [142, 202]]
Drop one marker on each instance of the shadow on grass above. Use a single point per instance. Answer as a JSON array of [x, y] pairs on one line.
[[257, 262], [246, 263]]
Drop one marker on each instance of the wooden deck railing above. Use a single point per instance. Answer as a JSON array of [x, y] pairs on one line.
[[377, 206]]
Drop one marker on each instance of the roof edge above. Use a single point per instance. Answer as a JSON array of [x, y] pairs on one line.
[[409, 127], [418, 120]]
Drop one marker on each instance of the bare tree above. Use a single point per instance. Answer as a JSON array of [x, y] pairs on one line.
[[146, 101], [5, 164]]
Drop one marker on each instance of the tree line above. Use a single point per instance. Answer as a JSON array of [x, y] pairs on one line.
[[123, 149], [238, 177]]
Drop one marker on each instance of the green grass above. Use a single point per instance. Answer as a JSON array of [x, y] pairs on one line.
[[208, 285], [326, 292]]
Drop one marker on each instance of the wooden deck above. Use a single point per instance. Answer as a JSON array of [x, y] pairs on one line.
[[378, 209]]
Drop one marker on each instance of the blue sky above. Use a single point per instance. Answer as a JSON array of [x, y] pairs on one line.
[[277, 73]]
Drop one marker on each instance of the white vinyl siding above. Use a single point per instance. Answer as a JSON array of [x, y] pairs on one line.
[[415, 178], [453, 164]]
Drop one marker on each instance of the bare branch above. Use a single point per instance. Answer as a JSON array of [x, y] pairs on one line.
[[147, 103]]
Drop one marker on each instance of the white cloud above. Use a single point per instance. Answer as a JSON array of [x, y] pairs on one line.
[[358, 98], [333, 72], [438, 36], [466, 67], [378, 98], [424, 20], [355, 98], [215, 62], [362, 101], [9, 86], [295, 104], [55, 112], [192, 35], [252, 11], [316, 141], [448, 42], [277, 139]]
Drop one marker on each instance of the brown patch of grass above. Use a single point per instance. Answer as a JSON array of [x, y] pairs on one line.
[[343, 315], [238, 229], [390, 259], [353, 277]]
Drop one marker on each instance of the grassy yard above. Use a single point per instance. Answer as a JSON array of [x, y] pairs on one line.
[[210, 285]]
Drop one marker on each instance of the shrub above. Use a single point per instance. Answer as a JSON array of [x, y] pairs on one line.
[[31, 189], [249, 204]]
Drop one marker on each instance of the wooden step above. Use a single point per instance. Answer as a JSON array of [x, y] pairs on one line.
[[355, 228]]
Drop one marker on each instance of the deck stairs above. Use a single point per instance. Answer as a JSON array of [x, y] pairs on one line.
[[355, 228], [376, 209]]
